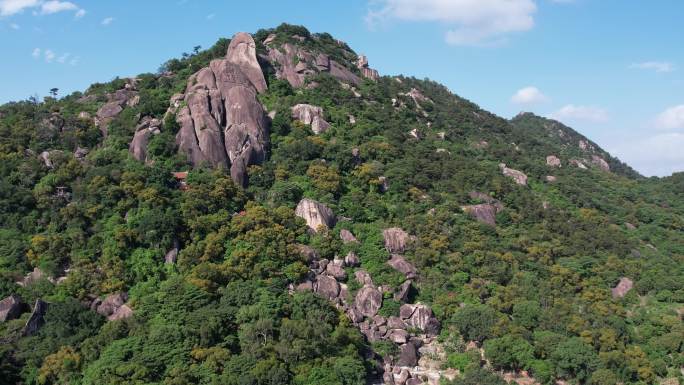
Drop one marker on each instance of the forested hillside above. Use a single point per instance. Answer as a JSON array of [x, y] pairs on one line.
[[272, 211]]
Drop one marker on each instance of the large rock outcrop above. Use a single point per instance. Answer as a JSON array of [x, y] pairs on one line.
[[11, 308], [368, 301], [395, 240], [622, 288], [315, 214], [366, 71], [295, 64], [223, 124], [600, 163], [116, 102], [518, 176], [553, 161], [484, 212], [311, 116], [420, 317]]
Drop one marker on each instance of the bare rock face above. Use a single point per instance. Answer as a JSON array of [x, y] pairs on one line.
[[403, 293], [295, 64], [553, 161], [368, 301], [36, 320], [623, 287], [400, 264], [551, 178], [363, 278], [223, 123], [366, 71], [315, 214], [578, 163], [421, 317], [347, 237], [242, 51], [518, 176], [484, 213], [10, 308], [327, 287], [336, 271], [311, 116], [116, 102], [408, 355], [600, 163], [143, 132], [111, 304], [122, 312], [395, 240]]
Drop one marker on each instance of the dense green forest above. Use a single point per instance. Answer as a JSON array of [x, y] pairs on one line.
[[209, 270]]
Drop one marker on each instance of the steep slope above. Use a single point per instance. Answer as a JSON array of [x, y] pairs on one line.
[[273, 211]]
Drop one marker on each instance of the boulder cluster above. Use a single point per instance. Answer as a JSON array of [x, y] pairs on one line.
[[311, 116], [413, 328], [484, 212]]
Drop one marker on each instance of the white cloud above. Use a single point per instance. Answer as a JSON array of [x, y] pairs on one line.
[[55, 6], [49, 55], [672, 118], [75, 61], [657, 66], [585, 113], [470, 22], [63, 58], [529, 95], [80, 13], [211, 16], [107, 21], [36, 53], [14, 26], [11, 7], [659, 155]]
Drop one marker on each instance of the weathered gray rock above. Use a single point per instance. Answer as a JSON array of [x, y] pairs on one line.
[[408, 355], [578, 163], [363, 278], [347, 237], [223, 124], [143, 132], [553, 161], [327, 287], [367, 72], [399, 263], [122, 312], [394, 322], [308, 252], [518, 176], [395, 240], [351, 259], [80, 153], [11, 308], [402, 293], [171, 256], [36, 319], [311, 116], [111, 304], [295, 64], [484, 213], [421, 317], [336, 272], [368, 301], [623, 287], [398, 336], [551, 178], [600, 163], [242, 51], [315, 214]]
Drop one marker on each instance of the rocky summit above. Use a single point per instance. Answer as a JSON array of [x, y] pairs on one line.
[[274, 210]]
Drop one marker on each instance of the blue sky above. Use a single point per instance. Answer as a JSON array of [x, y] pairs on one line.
[[611, 69]]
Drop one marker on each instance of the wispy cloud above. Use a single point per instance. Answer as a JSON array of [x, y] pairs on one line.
[[529, 96], [107, 21], [672, 118], [657, 66], [13, 7], [211, 16], [581, 113], [469, 22], [14, 26], [51, 56]]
